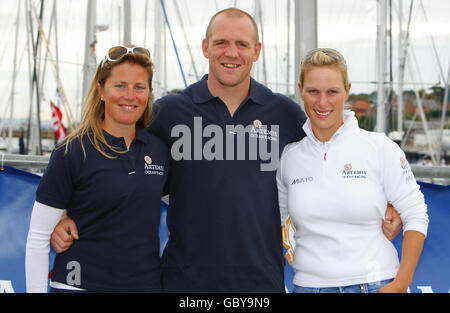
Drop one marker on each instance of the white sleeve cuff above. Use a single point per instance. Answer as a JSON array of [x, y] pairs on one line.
[[43, 221], [418, 227]]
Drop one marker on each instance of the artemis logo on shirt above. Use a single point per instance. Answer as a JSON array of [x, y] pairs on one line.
[[152, 169]]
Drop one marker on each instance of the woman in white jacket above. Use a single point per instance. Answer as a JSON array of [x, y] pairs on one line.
[[335, 183]]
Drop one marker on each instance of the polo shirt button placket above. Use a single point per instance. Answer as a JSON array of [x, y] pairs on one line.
[[128, 158], [131, 166]]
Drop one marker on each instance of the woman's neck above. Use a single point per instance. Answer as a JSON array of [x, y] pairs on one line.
[[128, 132], [325, 134]]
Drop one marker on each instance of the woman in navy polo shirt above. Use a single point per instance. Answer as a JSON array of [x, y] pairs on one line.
[[109, 175]]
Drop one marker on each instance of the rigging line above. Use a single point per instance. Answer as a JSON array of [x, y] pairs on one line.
[[60, 86], [276, 45], [7, 42], [56, 38], [261, 25], [68, 22], [197, 48], [421, 110], [441, 71], [187, 16], [173, 41], [44, 70], [145, 22], [9, 87], [217, 6], [444, 114], [2, 120], [408, 132], [405, 42], [14, 79], [35, 81], [177, 9], [388, 94]]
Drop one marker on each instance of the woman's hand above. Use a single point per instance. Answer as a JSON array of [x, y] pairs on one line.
[[411, 250], [63, 235], [394, 287]]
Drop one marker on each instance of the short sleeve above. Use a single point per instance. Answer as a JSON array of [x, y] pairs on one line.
[[299, 120], [56, 186]]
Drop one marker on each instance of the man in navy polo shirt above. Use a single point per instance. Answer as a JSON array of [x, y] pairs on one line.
[[226, 133]]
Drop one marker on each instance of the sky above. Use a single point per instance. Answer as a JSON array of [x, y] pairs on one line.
[[349, 26]]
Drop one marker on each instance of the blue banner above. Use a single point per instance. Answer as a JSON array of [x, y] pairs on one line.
[[433, 270], [17, 195]]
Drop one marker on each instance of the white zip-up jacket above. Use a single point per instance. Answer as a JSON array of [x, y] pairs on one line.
[[336, 194]]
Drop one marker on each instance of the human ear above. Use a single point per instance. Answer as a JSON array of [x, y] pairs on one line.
[[205, 48], [100, 91], [258, 48]]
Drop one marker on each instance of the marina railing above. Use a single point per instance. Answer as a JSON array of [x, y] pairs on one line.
[[40, 162]]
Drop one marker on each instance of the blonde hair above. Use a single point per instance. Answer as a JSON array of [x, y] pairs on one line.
[[324, 57], [94, 108]]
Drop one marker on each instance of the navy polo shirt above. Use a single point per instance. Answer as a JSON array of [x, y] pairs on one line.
[[115, 204], [223, 217]]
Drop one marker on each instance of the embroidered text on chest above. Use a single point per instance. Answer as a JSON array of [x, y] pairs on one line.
[[350, 172]]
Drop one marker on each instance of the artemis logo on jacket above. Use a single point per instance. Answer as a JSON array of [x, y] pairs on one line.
[[349, 172]]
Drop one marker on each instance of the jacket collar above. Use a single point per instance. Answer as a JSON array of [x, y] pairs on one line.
[[350, 124]]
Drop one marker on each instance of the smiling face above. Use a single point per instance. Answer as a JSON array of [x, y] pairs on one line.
[[126, 94], [231, 50], [324, 94]]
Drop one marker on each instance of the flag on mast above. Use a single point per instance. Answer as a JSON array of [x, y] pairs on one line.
[[58, 126]]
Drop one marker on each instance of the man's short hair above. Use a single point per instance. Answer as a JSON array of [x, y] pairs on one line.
[[233, 12]]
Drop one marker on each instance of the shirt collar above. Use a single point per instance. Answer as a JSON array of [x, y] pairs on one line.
[[258, 92], [114, 141], [200, 93], [141, 134]]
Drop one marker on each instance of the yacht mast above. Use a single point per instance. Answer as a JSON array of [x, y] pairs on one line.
[[305, 35], [381, 66], [444, 114], [127, 22], [34, 122], [402, 53], [157, 50], [13, 88], [288, 54], [90, 61], [401, 70]]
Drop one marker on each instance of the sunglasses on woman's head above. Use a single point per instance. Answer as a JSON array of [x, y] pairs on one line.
[[329, 52], [117, 52]]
